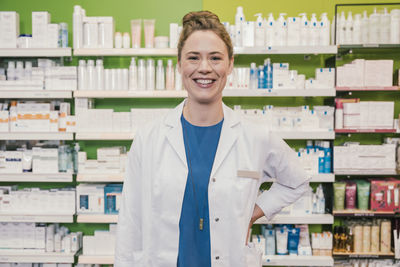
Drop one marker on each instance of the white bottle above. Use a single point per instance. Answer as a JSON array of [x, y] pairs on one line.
[[170, 76], [99, 75], [11, 71], [126, 40], [119, 80], [118, 40], [107, 79], [178, 80], [82, 77], [333, 32], [19, 71], [293, 29], [324, 31], [239, 20], [384, 27], [314, 30], [253, 76], [341, 29], [374, 24], [281, 30], [270, 31], [150, 75], [349, 29], [259, 36], [28, 70], [114, 80], [133, 75], [91, 78], [395, 26], [321, 200], [304, 30], [141, 75], [160, 75], [248, 34], [77, 24], [365, 28], [125, 80], [357, 29]]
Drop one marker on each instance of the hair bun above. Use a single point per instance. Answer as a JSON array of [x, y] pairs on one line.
[[199, 17]]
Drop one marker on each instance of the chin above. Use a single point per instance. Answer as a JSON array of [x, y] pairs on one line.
[[205, 97]]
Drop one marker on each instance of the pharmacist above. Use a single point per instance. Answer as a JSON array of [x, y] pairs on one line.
[[191, 188]]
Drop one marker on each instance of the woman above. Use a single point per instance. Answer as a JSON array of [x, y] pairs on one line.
[[190, 194]]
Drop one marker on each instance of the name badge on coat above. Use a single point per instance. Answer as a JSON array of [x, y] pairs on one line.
[[248, 174]]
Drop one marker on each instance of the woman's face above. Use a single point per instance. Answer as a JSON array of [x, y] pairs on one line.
[[204, 66]]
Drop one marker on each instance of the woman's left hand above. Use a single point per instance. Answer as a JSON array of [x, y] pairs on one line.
[[257, 213]]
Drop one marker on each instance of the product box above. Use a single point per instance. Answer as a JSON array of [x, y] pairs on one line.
[[52, 35], [112, 198], [9, 29], [378, 73], [40, 20], [90, 198], [4, 121], [385, 195]]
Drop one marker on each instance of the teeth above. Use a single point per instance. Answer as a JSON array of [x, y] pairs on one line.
[[204, 81]]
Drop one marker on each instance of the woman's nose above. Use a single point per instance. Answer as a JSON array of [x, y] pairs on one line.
[[204, 66]]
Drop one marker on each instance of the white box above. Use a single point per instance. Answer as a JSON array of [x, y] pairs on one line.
[[9, 29], [379, 73], [4, 121], [40, 20], [52, 35], [90, 198]]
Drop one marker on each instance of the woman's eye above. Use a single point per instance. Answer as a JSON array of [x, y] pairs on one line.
[[216, 58], [193, 58]]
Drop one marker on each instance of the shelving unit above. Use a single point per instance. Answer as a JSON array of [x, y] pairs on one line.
[[375, 255], [362, 213], [226, 93], [366, 89], [28, 256], [36, 177], [286, 50], [366, 172], [36, 136], [44, 218], [287, 260], [35, 94], [298, 219], [320, 178], [97, 218], [96, 259], [35, 52], [104, 136], [365, 130], [126, 52], [98, 178]]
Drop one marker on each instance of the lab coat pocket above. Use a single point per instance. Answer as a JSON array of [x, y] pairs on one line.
[[253, 256]]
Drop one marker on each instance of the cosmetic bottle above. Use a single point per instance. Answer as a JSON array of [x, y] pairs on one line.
[[293, 28], [384, 28], [118, 40], [364, 28], [324, 31], [239, 20], [259, 31], [342, 28], [28, 70], [374, 24], [133, 75], [270, 31], [126, 40], [314, 30], [178, 80], [395, 26], [91, 79], [261, 78], [170, 75], [77, 25], [304, 30], [357, 29], [82, 77], [160, 75], [125, 80], [253, 76], [281, 30], [141, 75], [19, 71], [99, 75], [349, 29], [150, 75]]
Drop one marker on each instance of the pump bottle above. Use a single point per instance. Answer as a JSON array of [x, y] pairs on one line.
[[324, 30], [304, 30], [239, 21], [150, 75], [160, 75], [364, 28], [141, 75], [293, 31], [133, 75], [374, 28], [259, 35], [314, 30], [349, 29], [77, 24], [253, 76], [91, 79], [384, 27], [341, 28], [170, 75], [357, 29], [99, 74], [281, 30], [270, 31]]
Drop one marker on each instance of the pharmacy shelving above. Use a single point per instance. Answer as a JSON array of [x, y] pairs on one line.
[[368, 88], [318, 178], [28, 256], [35, 52], [286, 50], [328, 92], [100, 177], [35, 94], [39, 218], [36, 136], [289, 260], [36, 177], [363, 213], [298, 219], [365, 130], [96, 259], [104, 136], [364, 172], [126, 52], [97, 218], [377, 255]]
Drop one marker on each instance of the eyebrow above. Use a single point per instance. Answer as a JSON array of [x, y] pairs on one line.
[[198, 53]]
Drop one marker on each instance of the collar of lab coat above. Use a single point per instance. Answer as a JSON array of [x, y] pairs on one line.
[[229, 134]]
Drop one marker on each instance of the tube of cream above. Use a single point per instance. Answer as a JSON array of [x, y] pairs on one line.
[[293, 241], [339, 193], [363, 194], [351, 189], [281, 240], [27, 161]]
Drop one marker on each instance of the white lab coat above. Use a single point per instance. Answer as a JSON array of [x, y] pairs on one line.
[[247, 155]]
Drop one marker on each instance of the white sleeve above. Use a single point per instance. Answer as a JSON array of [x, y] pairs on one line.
[[129, 230], [291, 181]]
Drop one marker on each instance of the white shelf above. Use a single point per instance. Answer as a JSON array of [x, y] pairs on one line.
[[292, 135], [96, 259], [98, 178], [53, 218], [298, 219], [36, 136], [28, 256], [225, 93], [126, 52], [97, 218], [29, 94], [104, 136], [323, 178], [35, 52], [35, 177], [286, 260], [331, 49], [365, 172]]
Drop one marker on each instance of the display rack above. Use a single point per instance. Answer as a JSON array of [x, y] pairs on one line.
[[286, 50], [363, 213], [104, 136], [298, 219], [99, 178], [39, 218], [36, 136], [35, 52], [126, 52], [358, 172], [365, 131], [319, 178], [28, 256], [36, 177], [96, 259], [97, 218], [35, 94], [368, 88], [374, 255], [287, 260]]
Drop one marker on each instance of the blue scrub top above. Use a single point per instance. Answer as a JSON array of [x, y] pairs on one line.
[[194, 244]]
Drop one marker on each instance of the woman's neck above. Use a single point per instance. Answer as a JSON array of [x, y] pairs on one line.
[[203, 114]]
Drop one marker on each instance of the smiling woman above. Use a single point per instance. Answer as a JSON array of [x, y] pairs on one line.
[[191, 190]]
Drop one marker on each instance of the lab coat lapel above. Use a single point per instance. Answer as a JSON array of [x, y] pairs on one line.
[[174, 134], [229, 135]]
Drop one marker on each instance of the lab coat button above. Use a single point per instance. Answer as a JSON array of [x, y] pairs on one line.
[[217, 258], [216, 219], [213, 179]]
